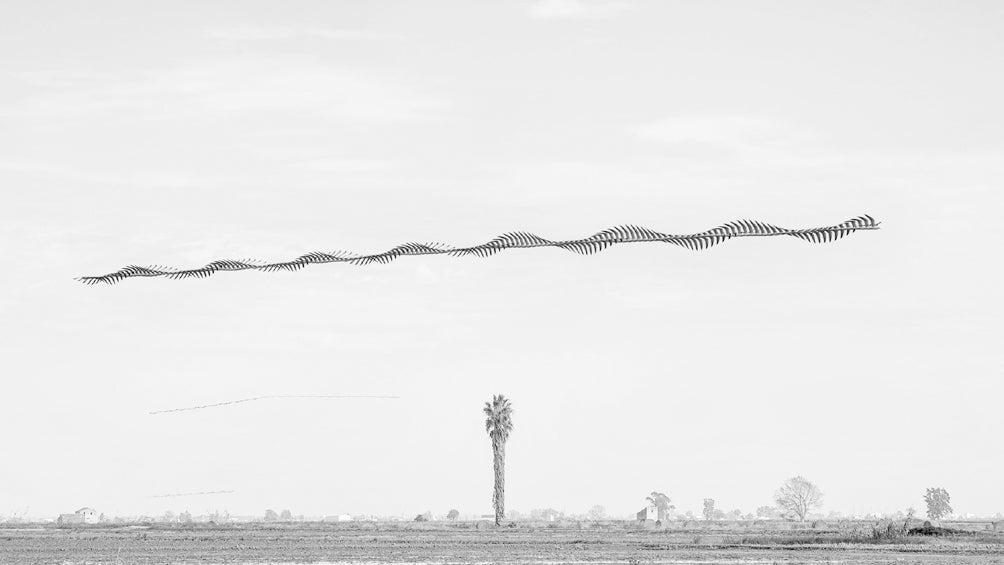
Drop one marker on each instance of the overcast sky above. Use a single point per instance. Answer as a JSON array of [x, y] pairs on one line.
[[176, 133]]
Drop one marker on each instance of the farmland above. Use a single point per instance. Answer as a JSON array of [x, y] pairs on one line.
[[574, 542]]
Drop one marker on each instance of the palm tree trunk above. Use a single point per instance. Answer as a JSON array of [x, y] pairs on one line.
[[499, 450]]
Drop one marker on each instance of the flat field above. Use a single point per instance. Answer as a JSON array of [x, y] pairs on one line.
[[614, 542]]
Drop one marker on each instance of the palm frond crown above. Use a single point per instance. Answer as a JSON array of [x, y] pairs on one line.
[[498, 418]]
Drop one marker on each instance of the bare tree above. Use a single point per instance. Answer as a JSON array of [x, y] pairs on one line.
[[597, 513], [498, 424], [906, 521], [662, 503], [939, 504], [797, 497]]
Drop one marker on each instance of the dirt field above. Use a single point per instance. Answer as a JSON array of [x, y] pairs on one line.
[[400, 543]]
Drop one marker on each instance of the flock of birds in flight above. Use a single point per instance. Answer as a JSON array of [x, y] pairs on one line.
[[513, 240]]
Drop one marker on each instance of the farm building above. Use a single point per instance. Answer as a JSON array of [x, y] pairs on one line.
[[338, 518], [648, 513], [83, 516]]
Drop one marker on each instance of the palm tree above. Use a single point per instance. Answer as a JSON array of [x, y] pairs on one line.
[[498, 424]]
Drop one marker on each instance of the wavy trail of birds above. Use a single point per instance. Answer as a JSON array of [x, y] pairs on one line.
[[512, 240], [269, 397]]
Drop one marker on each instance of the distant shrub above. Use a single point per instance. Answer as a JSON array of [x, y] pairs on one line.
[[878, 535], [886, 531]]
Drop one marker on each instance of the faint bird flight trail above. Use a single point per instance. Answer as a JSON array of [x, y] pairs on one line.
[[193, 493], [268, 397], [512, 240]]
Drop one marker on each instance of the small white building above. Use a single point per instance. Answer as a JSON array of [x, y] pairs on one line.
[[648, 513], [90, 515], [83, 516], [338, 518]]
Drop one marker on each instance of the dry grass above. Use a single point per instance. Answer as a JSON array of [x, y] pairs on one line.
[[481, 542]]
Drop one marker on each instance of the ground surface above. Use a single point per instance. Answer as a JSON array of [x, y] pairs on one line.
[[318, 543]]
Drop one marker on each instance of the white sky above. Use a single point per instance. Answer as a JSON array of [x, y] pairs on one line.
[[176, 133]]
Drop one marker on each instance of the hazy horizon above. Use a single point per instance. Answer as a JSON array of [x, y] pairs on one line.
[[177, 133]]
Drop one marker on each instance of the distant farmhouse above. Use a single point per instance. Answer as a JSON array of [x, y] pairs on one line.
[[648, 513], [338, 518], [83, 516]]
